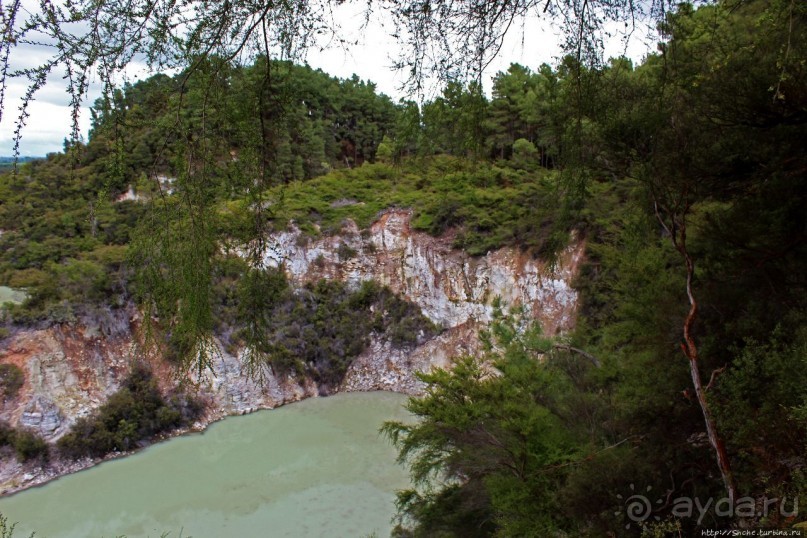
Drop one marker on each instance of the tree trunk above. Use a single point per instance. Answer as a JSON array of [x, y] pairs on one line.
[[677, 233], [691, 352]]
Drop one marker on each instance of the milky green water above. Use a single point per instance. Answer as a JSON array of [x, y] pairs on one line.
[[10, 295], [314, 468]]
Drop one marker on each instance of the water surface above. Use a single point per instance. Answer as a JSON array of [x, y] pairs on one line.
[[310, 469], [10, 295]]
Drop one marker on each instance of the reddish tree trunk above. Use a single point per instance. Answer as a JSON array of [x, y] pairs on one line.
[[691, 352], [677, 233]]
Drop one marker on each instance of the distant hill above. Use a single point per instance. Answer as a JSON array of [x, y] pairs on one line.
[[8, 160], [7, 163]]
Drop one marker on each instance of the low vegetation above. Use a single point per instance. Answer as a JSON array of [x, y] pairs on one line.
[[64, 243], [314, 331], [135, 413], [26, 444], [11, 380], [684, 175], [488, 205]]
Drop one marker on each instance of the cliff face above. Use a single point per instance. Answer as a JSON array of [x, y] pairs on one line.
[[71, 371], [66, 375], [451, 287]]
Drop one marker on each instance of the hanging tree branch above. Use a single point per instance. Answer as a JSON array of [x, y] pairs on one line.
[[440, 40], [443, 39]]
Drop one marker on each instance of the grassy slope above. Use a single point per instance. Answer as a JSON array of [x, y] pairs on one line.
[[490, 206]]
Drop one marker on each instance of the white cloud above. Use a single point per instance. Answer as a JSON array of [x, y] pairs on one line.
[[371, 59], [532, 43], [50, 114], [46, 130]]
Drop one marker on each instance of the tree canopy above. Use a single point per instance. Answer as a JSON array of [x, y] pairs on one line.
[[683, 173], [443, 39]]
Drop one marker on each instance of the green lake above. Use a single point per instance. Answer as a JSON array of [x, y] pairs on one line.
[[313, 468], [10, 295]]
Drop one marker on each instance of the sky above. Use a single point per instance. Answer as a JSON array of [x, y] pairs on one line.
[[532, 43]]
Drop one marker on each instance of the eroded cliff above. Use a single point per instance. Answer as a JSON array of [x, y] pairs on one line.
[[70, 371], [451, 287]]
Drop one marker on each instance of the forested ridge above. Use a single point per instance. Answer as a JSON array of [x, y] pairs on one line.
[[685, 175]]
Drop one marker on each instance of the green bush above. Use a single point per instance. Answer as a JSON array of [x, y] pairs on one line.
[[524, 153], [11, 380], [136, 412], [318, 330], [26, 444], [490, 206], [6, 434], [345, 252]]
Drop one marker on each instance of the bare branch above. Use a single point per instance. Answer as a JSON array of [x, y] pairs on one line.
[[714, 375], [594, 360]]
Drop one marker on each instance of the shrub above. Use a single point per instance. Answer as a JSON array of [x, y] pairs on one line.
[[496, 206], [318, 330], [6, 434], [345, 251], [11, 380], [28, 445], [524, 152], [135, 412]]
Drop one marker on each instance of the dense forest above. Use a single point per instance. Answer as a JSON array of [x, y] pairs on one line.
[[685, 175]]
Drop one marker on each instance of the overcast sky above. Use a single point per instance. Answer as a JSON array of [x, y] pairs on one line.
[[530, 44]]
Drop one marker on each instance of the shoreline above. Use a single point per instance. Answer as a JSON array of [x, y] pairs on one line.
[[245, 473], [41, 475]]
